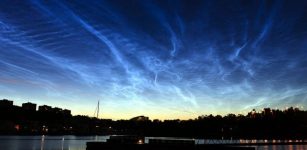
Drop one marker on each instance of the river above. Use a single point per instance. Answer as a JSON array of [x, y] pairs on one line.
[[70, 142]]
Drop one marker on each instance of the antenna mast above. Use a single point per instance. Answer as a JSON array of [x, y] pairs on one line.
[[98, 109], [96, 114]]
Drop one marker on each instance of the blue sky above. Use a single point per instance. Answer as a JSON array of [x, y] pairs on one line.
[[163, 59]]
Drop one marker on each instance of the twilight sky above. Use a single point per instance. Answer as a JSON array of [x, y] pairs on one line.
[[163, 59]]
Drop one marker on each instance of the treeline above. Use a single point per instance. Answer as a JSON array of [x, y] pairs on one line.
[[269, 124]]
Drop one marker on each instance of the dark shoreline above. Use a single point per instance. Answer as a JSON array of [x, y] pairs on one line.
[[267, 124]]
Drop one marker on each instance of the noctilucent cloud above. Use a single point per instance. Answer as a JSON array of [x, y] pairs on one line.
[[163, 59]]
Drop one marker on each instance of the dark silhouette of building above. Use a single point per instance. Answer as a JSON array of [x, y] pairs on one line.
[[29, 106], [45, 108], [5, 104], [67, 112], [57, 110], [140, 118]]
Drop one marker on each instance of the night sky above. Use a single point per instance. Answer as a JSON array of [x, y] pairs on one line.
[[163, 59]]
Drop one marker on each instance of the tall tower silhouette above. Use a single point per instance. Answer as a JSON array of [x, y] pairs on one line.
[[96, 113]]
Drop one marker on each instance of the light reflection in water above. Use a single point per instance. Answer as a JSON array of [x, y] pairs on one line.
[[42, 142], [274, 147], [63, 143]]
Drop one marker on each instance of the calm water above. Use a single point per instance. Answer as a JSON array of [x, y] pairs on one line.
[[79, 143], [47, 142]]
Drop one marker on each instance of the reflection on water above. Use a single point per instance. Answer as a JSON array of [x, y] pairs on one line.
[[282, 147], [47, 142], [79, 143]]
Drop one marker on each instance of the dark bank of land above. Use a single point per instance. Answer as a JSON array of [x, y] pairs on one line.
[[269, 124]]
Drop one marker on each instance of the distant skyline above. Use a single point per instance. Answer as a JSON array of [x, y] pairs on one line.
[[164, 59]]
